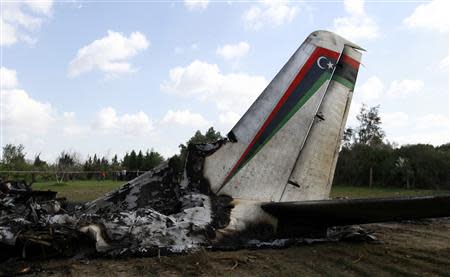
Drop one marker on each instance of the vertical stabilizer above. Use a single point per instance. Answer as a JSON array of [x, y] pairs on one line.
[[312, 176], [268, 146]]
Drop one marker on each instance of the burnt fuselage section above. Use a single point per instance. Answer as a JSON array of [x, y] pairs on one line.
[[153, 213]]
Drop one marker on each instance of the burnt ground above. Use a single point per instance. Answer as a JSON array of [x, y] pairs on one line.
[[406, 249]]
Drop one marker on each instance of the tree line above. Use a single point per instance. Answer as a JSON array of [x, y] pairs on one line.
[[69, 165], [366, 158]]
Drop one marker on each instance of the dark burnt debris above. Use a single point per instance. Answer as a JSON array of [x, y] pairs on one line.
[[153, 214]]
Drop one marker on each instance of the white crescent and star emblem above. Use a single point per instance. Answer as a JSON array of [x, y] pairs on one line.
[[328, 65]]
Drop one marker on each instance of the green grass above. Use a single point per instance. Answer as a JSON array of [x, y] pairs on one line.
[[80, 191], [366, 192]]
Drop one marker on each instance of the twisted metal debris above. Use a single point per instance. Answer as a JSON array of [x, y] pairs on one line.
[[151, 214]]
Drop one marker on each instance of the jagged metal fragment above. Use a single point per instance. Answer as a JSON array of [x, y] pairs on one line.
[[153, 212]]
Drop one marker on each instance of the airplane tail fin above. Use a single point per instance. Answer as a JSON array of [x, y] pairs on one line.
[[285, 146]]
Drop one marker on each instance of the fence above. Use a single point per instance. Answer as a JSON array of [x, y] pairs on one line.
[[69, 175]]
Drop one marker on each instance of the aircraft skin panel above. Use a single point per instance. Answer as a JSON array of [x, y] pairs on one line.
[[270, 168], [311, 172], [219, 165], [293, 132], [249, 124], [311, 79], [312, 176], [338, 143], [246, 128], [306, 84], [265, 144]]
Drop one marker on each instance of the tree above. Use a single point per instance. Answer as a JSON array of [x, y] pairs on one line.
[[115, 163], [405, 170], [139, 160], [104, 164], [38, 163], [14, 157], [369, 130], [65, 162], [348, 137], [133, 161], [151, 160], [115, 167], [429, 167], [210, 136], [126, 161], [88, 166]]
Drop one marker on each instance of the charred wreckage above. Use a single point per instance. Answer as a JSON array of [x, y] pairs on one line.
[[267, 184], [152, 214]]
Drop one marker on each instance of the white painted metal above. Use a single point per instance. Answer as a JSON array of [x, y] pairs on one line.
[[317, 160], [255, 116], [249, 124], [269, 170], [265, 176]]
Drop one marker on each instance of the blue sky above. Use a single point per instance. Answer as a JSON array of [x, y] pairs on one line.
[[107, 77]]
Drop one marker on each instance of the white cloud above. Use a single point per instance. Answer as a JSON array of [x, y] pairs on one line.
[[196, 4], [394, 120], [371, 90], [355, 107], [404, 88], [444, 63], [34, 123], [41, 6], [229, 92], [233, 51], [355, 7], [22, 114], [357, 25], [184, 117], [43, 129], [8, 78], [70, 126], [229, 118], [434, 138], [432, 15], [178, 50], [431, 121], [270, 12], [109, 54], [108, 121], [21, 19], [369, 93]]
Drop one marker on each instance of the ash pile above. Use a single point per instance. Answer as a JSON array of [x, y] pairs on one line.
[[153, 214]]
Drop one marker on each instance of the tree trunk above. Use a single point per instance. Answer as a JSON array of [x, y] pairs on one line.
[[407, 181], [370, 176]]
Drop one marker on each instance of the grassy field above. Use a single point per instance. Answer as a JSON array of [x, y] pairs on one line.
[[88, 190], [79, 191], [364, 192]]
